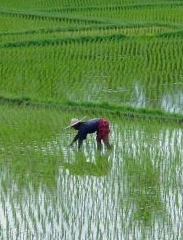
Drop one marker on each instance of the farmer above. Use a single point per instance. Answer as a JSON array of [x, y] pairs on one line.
[[98, 125]]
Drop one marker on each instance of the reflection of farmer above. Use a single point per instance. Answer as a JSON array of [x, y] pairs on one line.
[[80, 167], [98, 125]]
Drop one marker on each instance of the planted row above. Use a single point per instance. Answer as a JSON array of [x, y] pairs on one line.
[[140, 72], [136, 185]]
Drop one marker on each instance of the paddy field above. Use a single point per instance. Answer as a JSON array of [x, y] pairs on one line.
[[118, 59]]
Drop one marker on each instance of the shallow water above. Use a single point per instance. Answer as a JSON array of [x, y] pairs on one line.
[[140, 96], [131, 192]]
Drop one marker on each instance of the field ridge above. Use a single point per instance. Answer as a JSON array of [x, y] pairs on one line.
[[43, 42], [111, 6], [81, 39], [106, 22], [127, 57], [99, 27], [117, 7], [44, 15], [105, 107]]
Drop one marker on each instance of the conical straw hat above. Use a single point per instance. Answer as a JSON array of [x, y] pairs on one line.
[[74, 121]]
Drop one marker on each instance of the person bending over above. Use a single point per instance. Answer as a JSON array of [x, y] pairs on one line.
[[98, 125]]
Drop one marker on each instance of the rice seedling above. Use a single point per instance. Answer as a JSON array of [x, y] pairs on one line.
[[121, 66], [55, 187], [117, 59], [120, 89]]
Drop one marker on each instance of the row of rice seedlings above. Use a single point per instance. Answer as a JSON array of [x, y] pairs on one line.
[[24, 19], [72, 233], [136, 155], [145, 177], [31, 216], [147, 75], [56, 33], [35, 127], [72, 3], [33, 222], [31, 5], [33, 22], [149, 157], [121, 5], [78, 191], [112, 67], [148, 13], [23, 23]]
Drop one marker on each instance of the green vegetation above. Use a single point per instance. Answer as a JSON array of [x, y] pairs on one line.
[[128, 52], [119, 59]]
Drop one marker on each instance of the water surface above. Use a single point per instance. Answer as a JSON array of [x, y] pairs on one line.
[[131, 192]]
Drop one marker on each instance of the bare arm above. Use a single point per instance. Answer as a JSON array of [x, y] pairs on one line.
[[79, 142], [74, 140]]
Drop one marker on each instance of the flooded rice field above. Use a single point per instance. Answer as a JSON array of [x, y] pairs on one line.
[[114, 55], [134, 191]]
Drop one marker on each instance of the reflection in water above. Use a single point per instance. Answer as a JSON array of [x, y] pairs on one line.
[[173, 102], [139, 97], [132, 192], [148, 96], [151, 171], [143, 187], [81, 166]]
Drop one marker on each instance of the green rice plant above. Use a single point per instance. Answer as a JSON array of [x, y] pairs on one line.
[[74, 77], [83, 4], [24, 144], [52, 184], [118, 68], [143, 186], [143, 12], [118, 59], [81, 166]]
